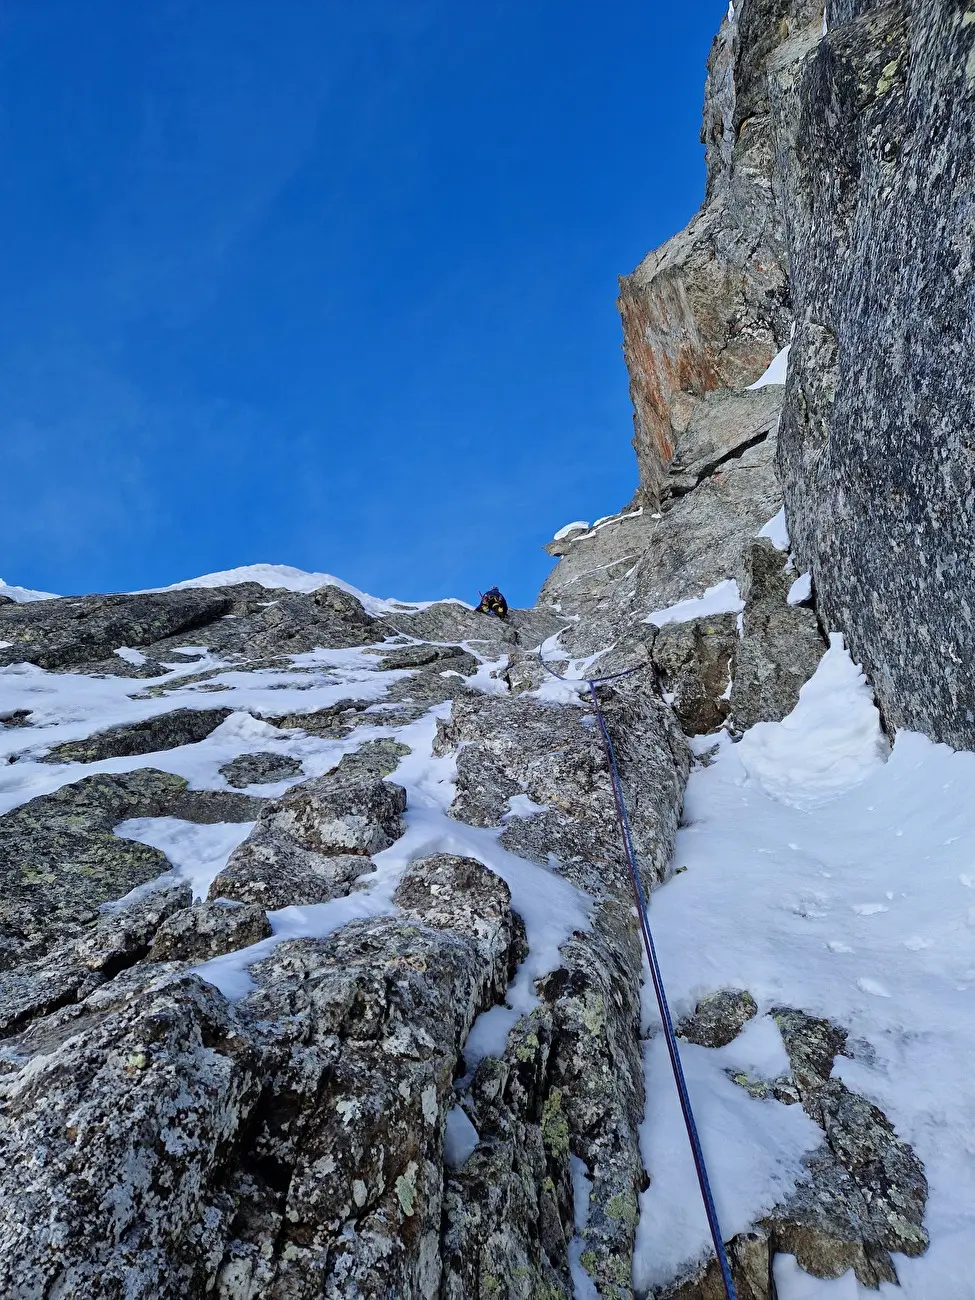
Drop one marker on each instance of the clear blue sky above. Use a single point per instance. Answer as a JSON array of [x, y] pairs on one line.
[[327, 283]]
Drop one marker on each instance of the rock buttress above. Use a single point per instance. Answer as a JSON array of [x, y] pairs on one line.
[[876, 447]]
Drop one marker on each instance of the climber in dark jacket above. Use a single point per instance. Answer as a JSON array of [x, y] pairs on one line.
[[492, 602]]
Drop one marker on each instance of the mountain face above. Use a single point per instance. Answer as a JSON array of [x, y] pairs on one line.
[[320, 974], [838, 216], [876, 450]]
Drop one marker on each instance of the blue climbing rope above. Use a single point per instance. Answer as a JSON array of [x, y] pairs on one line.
[[655, 975]]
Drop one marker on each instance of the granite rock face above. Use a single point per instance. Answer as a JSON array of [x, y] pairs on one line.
[[316, 1104], [709, 310], [160, 1140], [696, 662], [166, 1142], [314, 842], [876, 450], [84, 632], [570, 1081], [641, 563], [76, 967], [723, 426], [780, 644], [804, 133]]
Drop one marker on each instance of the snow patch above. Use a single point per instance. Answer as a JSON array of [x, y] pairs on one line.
[[792, 1283], [615, 519], [603, 522], [288, 578], [722, 598], [460, 1138], [198, 853], [24, 595], [580, 525], [829, 743], [776, 531], [776, 372], [583, 1285], [519, 805], [131, 656], [801, 590]]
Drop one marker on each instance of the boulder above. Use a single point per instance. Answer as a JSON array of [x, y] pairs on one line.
[[209, 930], [335, 814], [273, 871], [450, 657], [750, 1259], [780, 647], [259, 769], [166, 731], [312, 844], [719, 1018], [695, 662], [334, 722], [372, 760]]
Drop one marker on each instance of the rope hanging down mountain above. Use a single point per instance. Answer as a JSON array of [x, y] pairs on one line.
[[655, 976]]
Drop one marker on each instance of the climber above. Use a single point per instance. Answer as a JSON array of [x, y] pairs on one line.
[[492, 602]]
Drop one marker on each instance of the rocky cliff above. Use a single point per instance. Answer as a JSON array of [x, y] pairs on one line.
[[319, 971], [874, 140], [838, 199]]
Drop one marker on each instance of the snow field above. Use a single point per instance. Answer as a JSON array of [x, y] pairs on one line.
[[829, 872], [73, 706]]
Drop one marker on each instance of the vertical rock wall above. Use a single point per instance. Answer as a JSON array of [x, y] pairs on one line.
[[838, 193], [877, 450]]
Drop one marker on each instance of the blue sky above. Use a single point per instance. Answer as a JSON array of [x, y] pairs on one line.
[[327, 284]]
